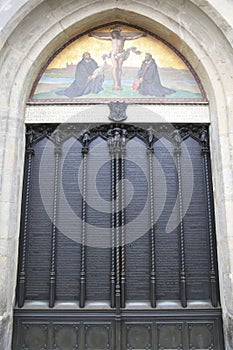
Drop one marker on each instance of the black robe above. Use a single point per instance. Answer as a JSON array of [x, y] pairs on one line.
[[81, 85], [151, 84]]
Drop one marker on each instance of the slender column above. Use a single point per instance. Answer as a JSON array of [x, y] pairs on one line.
[[153, 264], [83, 231], [182, 246], [52, 279], [123, 274], [118, 270], [113, 274], [22, 273], [116, 143], [213, 282]]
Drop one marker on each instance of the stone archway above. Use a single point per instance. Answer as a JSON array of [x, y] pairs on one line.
[[39, 27]]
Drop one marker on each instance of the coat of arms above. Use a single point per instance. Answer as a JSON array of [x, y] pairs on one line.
[[117, 111]]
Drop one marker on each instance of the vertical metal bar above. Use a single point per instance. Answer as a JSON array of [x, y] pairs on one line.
[[118, 290], [123, 275], [52, 279], [113, 274], [213, 283], [153, 264], [83, 231], [22, 273], [183, 296], [115, 142]]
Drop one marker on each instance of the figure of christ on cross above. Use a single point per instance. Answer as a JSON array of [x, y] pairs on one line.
[[118, 54]]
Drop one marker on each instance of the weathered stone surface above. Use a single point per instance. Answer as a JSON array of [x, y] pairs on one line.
[[228, 325], [99, 114], [5, 331], [8, 9]]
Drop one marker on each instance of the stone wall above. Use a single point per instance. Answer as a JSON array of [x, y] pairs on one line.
[[31, 30]]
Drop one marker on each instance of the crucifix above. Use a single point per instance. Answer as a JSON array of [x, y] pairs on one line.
[[118, 54]]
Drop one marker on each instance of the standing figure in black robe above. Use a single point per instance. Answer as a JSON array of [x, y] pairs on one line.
[[88, 78], [149, 80]]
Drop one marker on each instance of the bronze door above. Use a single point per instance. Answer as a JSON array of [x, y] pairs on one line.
[[117, 244]]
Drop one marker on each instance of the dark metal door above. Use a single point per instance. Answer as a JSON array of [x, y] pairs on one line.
[[117, 247]]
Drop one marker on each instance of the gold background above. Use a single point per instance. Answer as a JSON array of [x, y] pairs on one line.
[[162, 54]]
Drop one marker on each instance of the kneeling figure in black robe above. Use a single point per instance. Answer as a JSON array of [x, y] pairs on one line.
[[149, 80], [88, 80]]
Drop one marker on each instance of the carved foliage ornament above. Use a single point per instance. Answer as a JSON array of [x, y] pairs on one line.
[[116, 134]]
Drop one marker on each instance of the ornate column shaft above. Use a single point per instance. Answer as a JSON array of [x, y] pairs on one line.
[[113, 273], [152, 230], [52, 279], [177, 150], [213, 279], [117, 143], [23, 258], [85, 151], [123, 274]]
